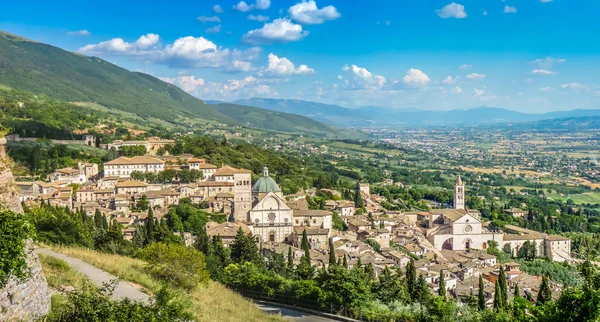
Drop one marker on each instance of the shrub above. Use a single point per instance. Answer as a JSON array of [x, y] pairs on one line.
[[176, 264], [14, 231]]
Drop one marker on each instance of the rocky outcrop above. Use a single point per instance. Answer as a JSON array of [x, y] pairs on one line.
[[21, 300], [29, 299], [9, 196]]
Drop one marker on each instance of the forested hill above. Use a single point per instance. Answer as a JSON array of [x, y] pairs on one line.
[[41, 68], [282, 122], [44, 69]]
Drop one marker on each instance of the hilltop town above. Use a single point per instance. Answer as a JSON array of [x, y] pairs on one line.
[[453, 241]]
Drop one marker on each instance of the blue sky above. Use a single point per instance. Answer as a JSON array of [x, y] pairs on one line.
[[527, 55]]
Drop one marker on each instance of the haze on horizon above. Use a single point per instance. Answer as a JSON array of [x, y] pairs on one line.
[[531, 56]]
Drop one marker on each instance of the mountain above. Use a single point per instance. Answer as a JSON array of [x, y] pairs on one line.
[[41, 68], [331, 114], [389, 116], [282, 122], [563, 124], [44, 69]]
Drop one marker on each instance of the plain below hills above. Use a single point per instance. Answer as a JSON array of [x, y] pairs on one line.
[[44, 69]]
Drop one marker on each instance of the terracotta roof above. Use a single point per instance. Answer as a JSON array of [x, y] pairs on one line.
[[226, 229], [135, 160], [311, 230], [452, 214], [196, 160], [311, 213], [557, 238], [229, 171], [214, 184], [509, 237], [131, 184], [207, 166]]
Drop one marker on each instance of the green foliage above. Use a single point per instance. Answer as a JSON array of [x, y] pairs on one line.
[[58, 225], [373, 243], [95, 305], [338, 222], [14, 231], [244, 249], [176, 265], [545, 293]]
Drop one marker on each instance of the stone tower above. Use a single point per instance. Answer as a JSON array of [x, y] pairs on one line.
[[242, 191], [459, 194]]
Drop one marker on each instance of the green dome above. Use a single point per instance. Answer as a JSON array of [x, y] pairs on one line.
[[265, 184]]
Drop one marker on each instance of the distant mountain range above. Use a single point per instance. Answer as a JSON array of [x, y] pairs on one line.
[[44, 69], [382, 116]]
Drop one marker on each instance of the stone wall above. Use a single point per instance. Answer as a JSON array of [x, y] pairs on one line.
[[28, 299]]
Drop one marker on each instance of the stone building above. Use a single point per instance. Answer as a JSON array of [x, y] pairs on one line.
[[123, 166], [459, 194]]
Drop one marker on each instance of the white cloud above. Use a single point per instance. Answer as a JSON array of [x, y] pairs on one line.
[[242, 6], [545, 89], [308, 13], [217, 8], [118, 45], [453, 10], [283, 67], [184, 52], [262, 4], [361, 79], [339, 77], [258, 18], [545, 1], [484, 12], [415, 77], [213, 30], [279, 31], [448, 80], [547, 62], [479, 92], [528, 80], [542, 72], [79, 33], [239, 66], [509, 9], [573, 85], [387, 22], [205, 19], [189, 83], [456, 90], [476, 76], [465, 66]]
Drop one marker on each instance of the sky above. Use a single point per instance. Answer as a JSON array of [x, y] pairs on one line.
[[527, 55]]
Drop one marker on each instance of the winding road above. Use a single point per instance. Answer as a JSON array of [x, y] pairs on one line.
[[127, 290]]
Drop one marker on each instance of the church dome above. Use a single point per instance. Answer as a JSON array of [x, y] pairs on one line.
[[265, 184]]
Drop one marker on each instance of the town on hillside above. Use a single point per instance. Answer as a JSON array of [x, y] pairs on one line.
[[447, 241]]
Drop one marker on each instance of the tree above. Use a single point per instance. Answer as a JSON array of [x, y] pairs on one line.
[[442, 285], [503, 288], [545, 293], [203, 242], [305, 245], [358, 201], [481, 294], [243, 248], [422, 292], [176, 264], [332, 259], [305, 270], [497, 297], [389, 287], [150, 230], [14, 231], [517, 294], [411, 279]]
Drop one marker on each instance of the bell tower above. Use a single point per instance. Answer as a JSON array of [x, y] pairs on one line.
[[459, 194]]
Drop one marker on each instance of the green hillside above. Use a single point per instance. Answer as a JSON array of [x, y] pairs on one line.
[[282, 122], [41, 68]]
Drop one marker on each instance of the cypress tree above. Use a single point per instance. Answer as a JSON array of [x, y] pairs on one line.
[[150, 227], [545, 293], [442, 285], [517, 293], [332, 258], [422, 294], [498, 297], [290, 259], [411, 279], [345, 262], [358, 201], [503, 288], [305, 245], [481, 294], [202, 241]]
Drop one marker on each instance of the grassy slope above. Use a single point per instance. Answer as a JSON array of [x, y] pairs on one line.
[[211, 303], [282, 122], [41, 68]]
